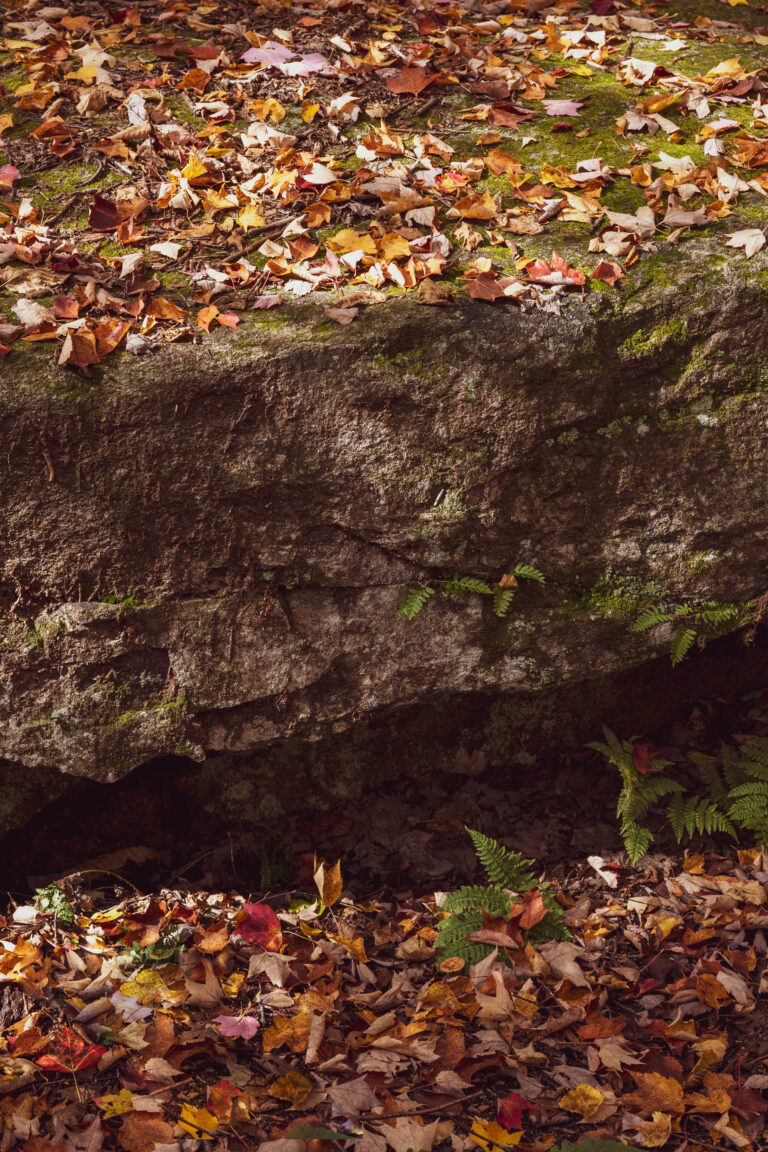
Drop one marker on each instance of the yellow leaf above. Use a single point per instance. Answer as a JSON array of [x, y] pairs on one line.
[[6, 121], [347, 240], [655, 1133], [293, 1087], [269, 109], [655, 1092], [475, 207], [584, 1100], [391, 247], [231, 985], [250, 217], [667, 925], [194, 167], [294, 1032], [711, 1051], [489, 1135], [659, 103], [217, 201], [115, 1103], [329, 882], [355, 947], [309, 111], [87, 73], [732, 68], [557, 176], [198, 1122], [147, 986]]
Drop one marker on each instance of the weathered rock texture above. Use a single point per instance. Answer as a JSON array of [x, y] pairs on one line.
[[257, 506]]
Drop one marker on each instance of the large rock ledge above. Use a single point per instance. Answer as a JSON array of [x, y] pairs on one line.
[[256, 506]]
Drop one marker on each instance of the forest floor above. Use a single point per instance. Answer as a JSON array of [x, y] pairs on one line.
[[161, 177], [211, 1006]]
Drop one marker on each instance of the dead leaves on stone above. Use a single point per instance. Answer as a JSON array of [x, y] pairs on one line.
[[233, 165]]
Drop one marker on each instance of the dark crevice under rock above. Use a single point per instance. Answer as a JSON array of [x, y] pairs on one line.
[[177, 807]]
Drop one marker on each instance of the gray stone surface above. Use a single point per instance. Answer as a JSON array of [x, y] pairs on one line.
[[258, 504]]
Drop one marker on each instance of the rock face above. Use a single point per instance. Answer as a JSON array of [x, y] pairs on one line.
[[204, 551]]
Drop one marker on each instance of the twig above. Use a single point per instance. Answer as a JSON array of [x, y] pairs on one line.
[[367, 1117], [262, 230], [62, 211], [101, 165], [428, 105]]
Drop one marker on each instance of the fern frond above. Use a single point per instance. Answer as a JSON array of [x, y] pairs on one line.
[[451, 939], [711, 778], [551, 927], [651, 618], [460, 585], [652, 788], [637, 841], [620, 755], [502, 600], [457, 926], [731, 767], [414, 600], [716, 615], [506, 871], [505, 868], [493, 900], [676, 816], [748, 808], [755, 758], [682, 641], [526, 572]]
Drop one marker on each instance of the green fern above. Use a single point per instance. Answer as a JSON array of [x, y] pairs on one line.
[[460, 585], [713, 780], [716, 615], [732, 797], [697, 814], [503, 867], [682, 642], [526, 572], [508, 872], [493, 899], [651, 618], [710, 614], [502, 600], [414, 600]]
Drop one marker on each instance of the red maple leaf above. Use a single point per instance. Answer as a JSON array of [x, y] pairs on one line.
[[260, 925]]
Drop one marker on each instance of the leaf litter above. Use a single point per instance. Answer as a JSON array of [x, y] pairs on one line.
[[168, 168], [318, 1017]]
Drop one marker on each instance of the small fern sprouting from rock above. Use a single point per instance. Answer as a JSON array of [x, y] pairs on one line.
[[414, 600], [711, 615], [509, 875], [502, 593], [731, 796]]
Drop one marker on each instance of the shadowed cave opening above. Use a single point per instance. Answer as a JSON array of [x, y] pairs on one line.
[[253, 820]]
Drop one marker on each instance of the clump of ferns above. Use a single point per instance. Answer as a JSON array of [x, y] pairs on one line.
[[690, 619], [727, 793], [502, 593], [510, 876]]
